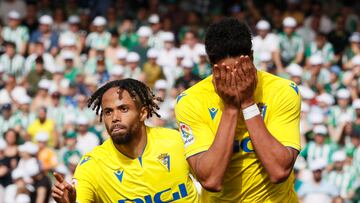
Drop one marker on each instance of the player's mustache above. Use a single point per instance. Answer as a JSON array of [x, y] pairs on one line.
[[117, 126]]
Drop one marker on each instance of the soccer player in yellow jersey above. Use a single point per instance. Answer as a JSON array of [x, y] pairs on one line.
[[139, 163], [240, 126]]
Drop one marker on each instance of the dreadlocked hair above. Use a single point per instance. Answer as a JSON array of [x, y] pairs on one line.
[[135, 89]]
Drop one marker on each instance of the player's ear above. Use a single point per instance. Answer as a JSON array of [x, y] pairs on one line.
[[143, 113]]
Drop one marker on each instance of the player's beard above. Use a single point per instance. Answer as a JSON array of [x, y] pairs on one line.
[[125, 138]]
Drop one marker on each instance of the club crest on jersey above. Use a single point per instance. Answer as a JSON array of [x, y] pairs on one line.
[[164, 159], [186, 134]]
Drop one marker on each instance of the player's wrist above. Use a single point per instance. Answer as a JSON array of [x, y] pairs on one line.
[[250, 111], [231, 108], [247, 103]]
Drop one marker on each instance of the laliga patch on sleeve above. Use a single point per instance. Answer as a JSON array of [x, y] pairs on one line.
[[186, 134]]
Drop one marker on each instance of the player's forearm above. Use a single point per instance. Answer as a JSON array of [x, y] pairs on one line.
[[212, 164], [275, 157]]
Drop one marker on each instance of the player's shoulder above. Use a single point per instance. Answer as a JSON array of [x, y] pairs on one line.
[[198, 92], [164, 137], [100, 152], [276, 86]]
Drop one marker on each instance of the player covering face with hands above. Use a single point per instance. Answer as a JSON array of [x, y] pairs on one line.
[[241, 136], [235, 81]]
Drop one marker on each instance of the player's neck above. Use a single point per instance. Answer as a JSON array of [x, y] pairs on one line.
[[136, 146]]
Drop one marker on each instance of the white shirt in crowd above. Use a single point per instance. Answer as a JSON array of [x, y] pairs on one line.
[[87, 142]]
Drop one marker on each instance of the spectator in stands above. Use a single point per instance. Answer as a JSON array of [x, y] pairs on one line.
[[28, 153], [47, 157], [70, 70], [312, 150], [322, 48], [188, 79], [73, 33], [18, 191], [43, 124], [91, 63], [191, 45], [16, 33], [12, 138], [152, 69], [155, 40], [41, 183], [101, 71], [69, 45], [24, 112], [42, 97], [266, 42], [69, 150], [342, 111], [36, 74], [114, 47], [86, 140], [351, 50], [203, 67], [132, 69], [167, 55], [12, 62], [100, 37], [318, 190], [325, 25], [295, 73], [344, 180], [291, 44], [339, 38], [144, 33], [83, 110], [8, 119], [48, 59], [335, 82], [316, 76], [128, 37], [45, 35]]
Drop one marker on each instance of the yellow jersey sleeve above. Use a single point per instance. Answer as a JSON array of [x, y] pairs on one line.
[[85, 180], [284, 118], [193, 127]]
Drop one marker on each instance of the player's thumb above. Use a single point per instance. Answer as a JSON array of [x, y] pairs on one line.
[[59, 177]]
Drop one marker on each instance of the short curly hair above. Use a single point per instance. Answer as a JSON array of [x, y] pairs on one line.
[[227, 38]]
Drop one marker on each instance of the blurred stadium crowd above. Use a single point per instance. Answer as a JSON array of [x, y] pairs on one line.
[[55, 53]]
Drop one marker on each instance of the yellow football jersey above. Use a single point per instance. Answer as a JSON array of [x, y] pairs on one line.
[[161, 174], [198, 112]]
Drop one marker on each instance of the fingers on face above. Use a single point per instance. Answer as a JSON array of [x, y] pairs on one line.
[[228, 76], [234, 79], [216, 72], [240, 69], [222, 72]]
